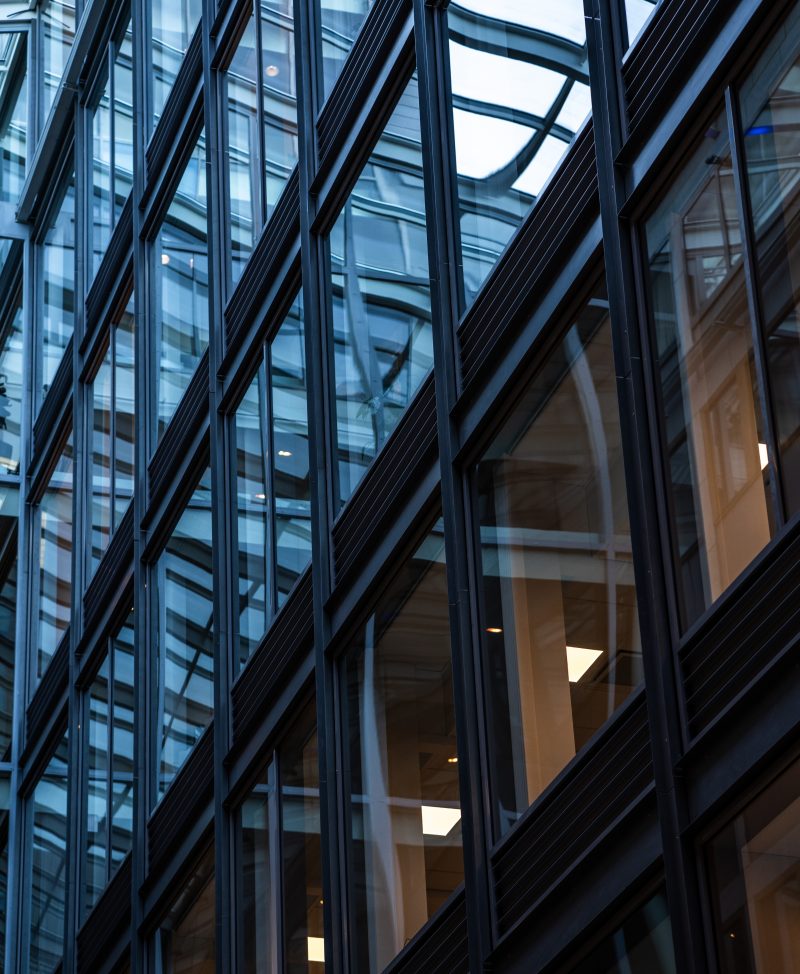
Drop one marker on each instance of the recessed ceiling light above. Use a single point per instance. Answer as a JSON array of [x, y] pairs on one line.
[[453, 760], [437, 820], [284, 453], [165, 258], [316, 949], [579, 660], [763, 454], [494, 630], [273, 71]]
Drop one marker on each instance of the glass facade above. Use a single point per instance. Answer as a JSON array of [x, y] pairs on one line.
[[13, 127], [57, 262], [172, 27]]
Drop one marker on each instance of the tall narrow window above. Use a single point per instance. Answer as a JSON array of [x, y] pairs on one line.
[[57, 19], [8, 625], [185, 645], [558, 605], [272, 481], [340, 22], [14, 118], [109, 788], [47, 868], [185, 942], [180, 256], [380, 285], [5, 804], [516, 107], [173, 24], [717, 462], [53, 599], [58, 287], [11, 354], [401, 770], [112, 411]]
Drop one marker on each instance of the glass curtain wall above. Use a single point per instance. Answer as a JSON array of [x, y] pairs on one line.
[[11, 354], [184, 613], [380, 293], [57, 283], [558, 605], [180, 267], [172, 26], [13, 114], [8, 634], [185, 942], [340, 22], [400, 769], [57, 20], [272, 481], [519, 75], [112, 432], [108, 798]]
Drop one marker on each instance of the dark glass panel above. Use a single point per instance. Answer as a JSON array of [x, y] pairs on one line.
[[123, 121], [97, 759], [124, 410], [5, 796], [58, 286], [14, 118], [185, 641], [520, 85], [718, 469], [754, 870], [48, 865], [11, 354], [173, 24], [101, 457], [122, 768], [560, 629], [770, 103], [340, 22], [187, 935], [8, 626], [402, 772], [241, 87], [279, 96], [383, 346], [256, 902], [102, 161], [57, 20]]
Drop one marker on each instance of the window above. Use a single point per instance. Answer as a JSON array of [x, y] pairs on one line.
[[261, 139], [184, 640], [5, 805], [57, 271], [11, 354], [111, 146], [112, 432], [8, 634], [108, 799], [186, 938], [278, 861], [180, 257], [637, 13], [57, 20], [14, 119], [53, 532], [173, 25], [520, 84], [340, 22], [380, 286], [754, 869], [47, 868], [400, 772], [272, 481], [558, 604]]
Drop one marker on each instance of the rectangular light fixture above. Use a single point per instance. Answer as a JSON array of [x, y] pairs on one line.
[[316, 949], [439, 821], [763, 454], [579, 660]]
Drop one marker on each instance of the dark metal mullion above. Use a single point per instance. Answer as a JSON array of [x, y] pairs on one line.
[[756, 316]]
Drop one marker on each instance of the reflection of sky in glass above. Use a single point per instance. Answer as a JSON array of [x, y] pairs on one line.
[[561, 17], [637, 12]]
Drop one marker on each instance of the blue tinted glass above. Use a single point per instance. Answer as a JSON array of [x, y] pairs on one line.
[[14, 119], [173, 24], [58, 287], [11, 349], [341, 21]]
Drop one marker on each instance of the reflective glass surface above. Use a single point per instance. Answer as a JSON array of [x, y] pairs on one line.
[[279, 96], [520, 84], [717, 460], [48, 865], [340, 21], [173, 24], [102, 408], [254, 876], [123, 121], [185, 635], [57, 19], [5, 790], [180, 255], [559, 623], [770, 105], [187, 935], [102, 218], [11, 352], [8, 636], [58, 287], [54, 550], [401, 775], [242, 150], [383, 346], [753, 866], [637, 13], [14, 116]]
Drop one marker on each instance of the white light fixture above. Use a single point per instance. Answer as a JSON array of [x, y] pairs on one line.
[[579, 660], [284, 453], [165, 258], [259, 497], [273, 71], [316, 949], [763, 454], [437, 820]]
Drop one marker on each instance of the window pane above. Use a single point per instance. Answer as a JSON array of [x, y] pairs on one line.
[[48, 865], [186, 626], [241, 84], [101, 459], [122, 744], [520, 82], [754, 869], [123, 122], [279, 95], [102, 217], [560, 629], [188, 942], [11, 350], [771, 108], [58, 283], [55, 561], [641, 945], [255, 915], [8, 640], [252, 516], [638, 13], [181, 267], [341, 21], [716, 457], [58, 33], [381, 295], [124, 405], [173, 26], [300, 847], [5, 800], [402, 779], [290, 450], [14, 122], [98, 749]]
